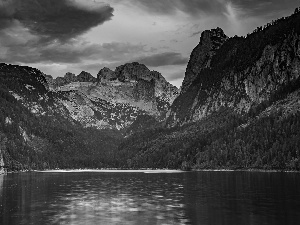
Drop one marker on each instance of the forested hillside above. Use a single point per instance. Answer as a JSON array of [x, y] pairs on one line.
[[43, 138], [239, 107]]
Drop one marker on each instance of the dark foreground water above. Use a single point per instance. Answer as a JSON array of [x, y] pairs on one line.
[[150, 198]]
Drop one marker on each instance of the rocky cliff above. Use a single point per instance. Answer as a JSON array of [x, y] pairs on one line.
[[238, 72], [115, 98], [210, 42]]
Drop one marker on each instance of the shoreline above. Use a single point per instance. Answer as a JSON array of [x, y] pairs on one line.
[[149, 170], [246, 170]]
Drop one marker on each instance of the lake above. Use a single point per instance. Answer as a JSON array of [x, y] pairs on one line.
[[141, 198]]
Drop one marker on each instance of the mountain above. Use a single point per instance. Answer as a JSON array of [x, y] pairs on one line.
[[239, 72], [238, 106], [38, 132], [74, 121], [115, 98]]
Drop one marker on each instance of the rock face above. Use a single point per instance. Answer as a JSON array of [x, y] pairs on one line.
[[239, 72], [201, 56], [70, 77], [106, 75], [85, 77], [132, 72], [113, 100], [116, 98]]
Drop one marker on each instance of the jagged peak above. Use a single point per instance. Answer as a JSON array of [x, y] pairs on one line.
[[84, 72], [105, 69], [106, 74], [215, 36], [131, 65], [86, 77], [215, 32], [69, 74]]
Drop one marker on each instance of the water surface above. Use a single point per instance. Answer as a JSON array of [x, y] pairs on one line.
[[150, 198]]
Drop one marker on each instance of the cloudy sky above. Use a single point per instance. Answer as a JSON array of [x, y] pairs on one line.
[[59, 36]]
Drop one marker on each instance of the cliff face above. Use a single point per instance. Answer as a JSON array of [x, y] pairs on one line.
[[239, 72], [201, 56], [116, 98], [113, 100]]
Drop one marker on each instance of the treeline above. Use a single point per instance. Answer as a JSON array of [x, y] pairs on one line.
[[218, 142], [51, 141], [272, 142]]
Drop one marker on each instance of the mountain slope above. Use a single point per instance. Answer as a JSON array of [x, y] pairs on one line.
[[36, 130], [239, 106], [242, 73], [75, 121], [116, 98]]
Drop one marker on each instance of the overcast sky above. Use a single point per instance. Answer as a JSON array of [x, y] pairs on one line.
[[59, 36]]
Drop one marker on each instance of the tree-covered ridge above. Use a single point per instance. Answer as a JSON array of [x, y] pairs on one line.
[[222, 140], [264, 137], [45, 138]]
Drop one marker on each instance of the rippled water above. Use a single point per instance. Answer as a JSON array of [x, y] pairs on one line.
[[150, 198]]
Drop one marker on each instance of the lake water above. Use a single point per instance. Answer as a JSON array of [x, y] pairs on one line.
[[204, 198]]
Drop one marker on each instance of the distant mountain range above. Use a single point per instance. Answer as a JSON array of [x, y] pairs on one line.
[[238, 108]]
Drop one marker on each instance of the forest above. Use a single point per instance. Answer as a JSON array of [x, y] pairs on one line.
[[29, 142]]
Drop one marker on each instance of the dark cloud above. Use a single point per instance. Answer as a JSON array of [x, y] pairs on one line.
[[163, 59], [54, 19]]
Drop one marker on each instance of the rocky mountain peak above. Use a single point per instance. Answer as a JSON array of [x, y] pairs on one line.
[[157, 76], [106, 74], [214, 37], [70, 77], [85, 77], [201, 57], [133, 71]]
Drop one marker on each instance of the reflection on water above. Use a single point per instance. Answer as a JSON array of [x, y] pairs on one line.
[[138, 198], [119, 200]]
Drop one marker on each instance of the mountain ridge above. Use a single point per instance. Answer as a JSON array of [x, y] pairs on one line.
[[40, 120], [242, 71], [238, 108]]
